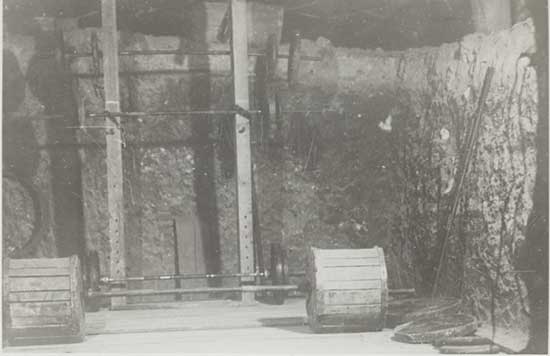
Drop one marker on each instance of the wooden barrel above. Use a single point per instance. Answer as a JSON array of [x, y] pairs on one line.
[[42, 300], [347, 290]]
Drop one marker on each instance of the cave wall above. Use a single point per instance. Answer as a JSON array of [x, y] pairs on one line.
[[365, 186], [425, 90]]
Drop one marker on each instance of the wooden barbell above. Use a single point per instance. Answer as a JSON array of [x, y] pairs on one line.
[[278, 277]]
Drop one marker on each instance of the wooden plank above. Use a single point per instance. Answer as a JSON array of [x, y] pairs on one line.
[[39, 263], [40, 321], [40, 309], [343, 285], [347, 320], [342, 262], [77, 308], [352, 309], [46, 340], [37, 272], [115, 201], [30, 284], [345, 253], [5, 283], [44, 335], [189, 245], [350, 297], [189, 251], [349, 273], [239, 50], [39, 296], [384, 290]]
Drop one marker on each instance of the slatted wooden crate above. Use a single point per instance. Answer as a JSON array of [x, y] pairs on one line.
[[348, 290], [42, 301]]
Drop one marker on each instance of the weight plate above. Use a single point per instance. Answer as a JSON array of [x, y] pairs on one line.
[[92, 270], [271, 112], [274, 107], [294, 59], [271, 57], [91, 277], [278, 270]]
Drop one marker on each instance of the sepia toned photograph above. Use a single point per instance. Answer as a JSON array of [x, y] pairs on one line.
[[275, 176]]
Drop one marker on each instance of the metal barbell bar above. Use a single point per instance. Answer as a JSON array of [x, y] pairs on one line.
[[186, 52], [278, 274], [270, 54], [96, 51], [167, 277], [197, 112], [146, 292], [168, 113]]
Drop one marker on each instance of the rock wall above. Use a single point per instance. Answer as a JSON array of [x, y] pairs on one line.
[[24, 155], [430, 93], [437, 88]]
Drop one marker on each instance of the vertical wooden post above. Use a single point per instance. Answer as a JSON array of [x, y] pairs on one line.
[[239, 50], [114, 144]]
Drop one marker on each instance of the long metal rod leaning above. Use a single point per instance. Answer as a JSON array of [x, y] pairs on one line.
[[471, 146]]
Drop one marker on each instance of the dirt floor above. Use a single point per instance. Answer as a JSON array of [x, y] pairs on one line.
[[221, 327]]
